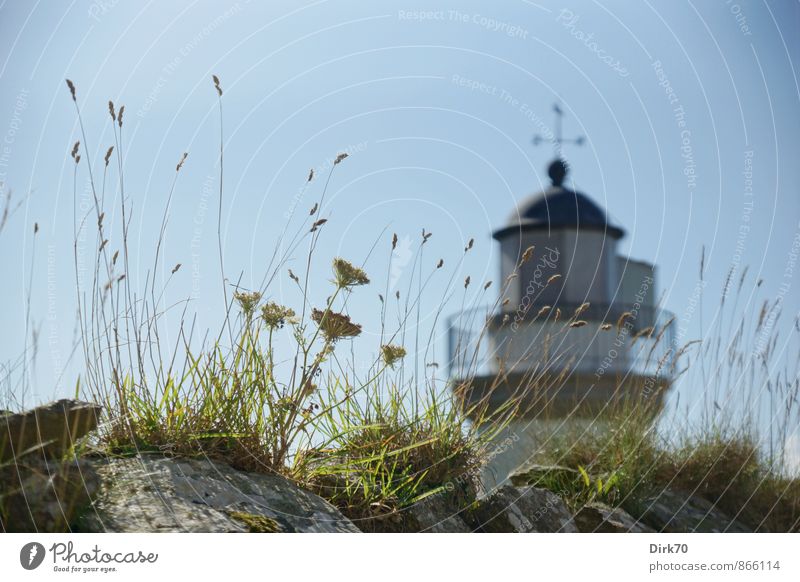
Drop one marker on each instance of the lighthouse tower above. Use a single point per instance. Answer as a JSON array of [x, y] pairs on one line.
[[576, 331]]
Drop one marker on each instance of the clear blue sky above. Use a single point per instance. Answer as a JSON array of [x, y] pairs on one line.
[[437, 101]]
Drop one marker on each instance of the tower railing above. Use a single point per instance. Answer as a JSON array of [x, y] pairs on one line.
[[478, 338]]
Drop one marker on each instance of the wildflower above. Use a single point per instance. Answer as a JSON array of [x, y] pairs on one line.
[[469, 245], [276, 315], [605, 326], [248, 301], [578, 323], [543, 311], [108, 154], [111, 110], [347, 274], [216, 85], [119, 115], [335, 325], [392, 354], [553, 278], [339, 158]]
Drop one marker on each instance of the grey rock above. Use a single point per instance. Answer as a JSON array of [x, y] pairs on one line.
[[522, 509], [45, 496], [46, 431], [151, 493], [674, 511], [600, 518], [435, 514]]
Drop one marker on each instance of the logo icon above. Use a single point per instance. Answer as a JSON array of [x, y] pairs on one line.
[[31, 555]]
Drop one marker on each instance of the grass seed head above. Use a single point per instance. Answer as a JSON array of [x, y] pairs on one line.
[[526, 256], [71, 86]]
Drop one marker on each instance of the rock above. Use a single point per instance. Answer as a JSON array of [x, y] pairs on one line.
[[600, 518], [673, 511], [151, 493], [45, 496], [435, 514], [49, 430], [522, 509]]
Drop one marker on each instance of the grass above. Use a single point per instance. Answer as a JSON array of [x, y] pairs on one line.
[[384, 438]]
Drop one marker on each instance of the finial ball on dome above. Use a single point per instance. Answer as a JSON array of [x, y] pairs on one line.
[[557, 172]]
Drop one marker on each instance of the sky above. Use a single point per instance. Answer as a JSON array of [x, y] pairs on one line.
[[689, 112]]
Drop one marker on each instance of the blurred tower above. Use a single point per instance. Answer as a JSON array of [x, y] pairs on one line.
[[577, 331]]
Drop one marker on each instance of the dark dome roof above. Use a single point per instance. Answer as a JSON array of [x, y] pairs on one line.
[[558, 207]]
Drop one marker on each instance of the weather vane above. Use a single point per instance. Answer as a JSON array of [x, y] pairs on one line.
[[556, 138]]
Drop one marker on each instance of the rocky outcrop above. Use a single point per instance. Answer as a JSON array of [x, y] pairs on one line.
[[600, 518], [522, 509], [152, 493], [47, 431], [45, 496], [434, 514], [42, 488], [45, 488], [676, 512]]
